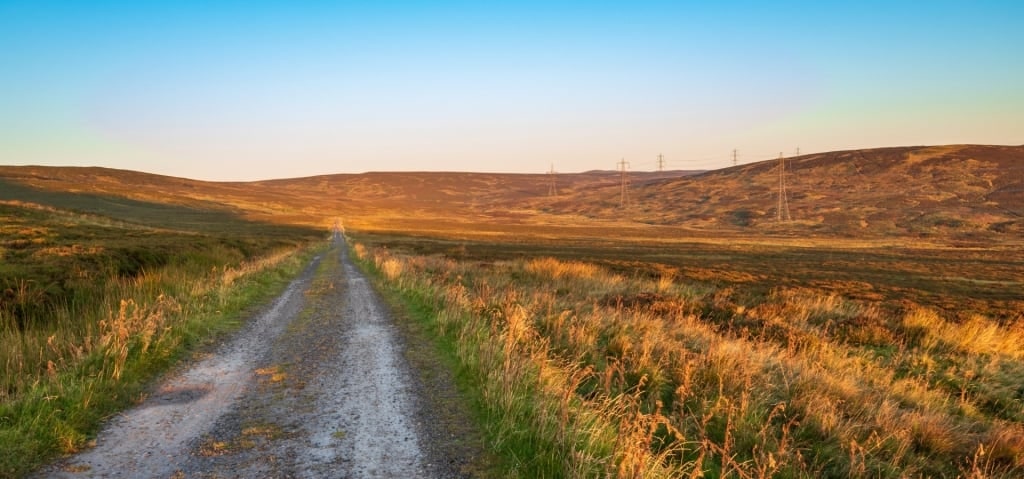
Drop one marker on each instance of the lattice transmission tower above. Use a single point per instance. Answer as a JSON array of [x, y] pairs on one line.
[[624, 191], [782, 211], [552, 183]]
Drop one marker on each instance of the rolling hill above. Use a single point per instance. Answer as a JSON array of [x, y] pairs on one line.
[[895, 257], [945, 190], [958, 191]]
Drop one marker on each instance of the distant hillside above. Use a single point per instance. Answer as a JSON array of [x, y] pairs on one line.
[[958, 189], [468, 197], [949, 191]]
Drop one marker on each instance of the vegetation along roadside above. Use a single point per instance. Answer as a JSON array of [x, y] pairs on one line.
[[92, 309], [584, 371]]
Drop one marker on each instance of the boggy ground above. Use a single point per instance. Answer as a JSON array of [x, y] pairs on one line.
[[316, 386]]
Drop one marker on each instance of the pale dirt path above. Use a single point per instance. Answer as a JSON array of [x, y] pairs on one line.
[[316, 386]]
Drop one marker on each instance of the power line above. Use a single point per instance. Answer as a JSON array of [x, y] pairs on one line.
[[731, 157], [624, 192]]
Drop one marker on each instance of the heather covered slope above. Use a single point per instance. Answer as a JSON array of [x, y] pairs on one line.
[[318, 200], [957, 190], [954, 192]]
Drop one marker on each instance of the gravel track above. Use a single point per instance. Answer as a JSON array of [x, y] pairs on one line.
[[317, 385]]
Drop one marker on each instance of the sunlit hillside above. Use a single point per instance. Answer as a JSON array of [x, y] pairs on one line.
[[955, 191]]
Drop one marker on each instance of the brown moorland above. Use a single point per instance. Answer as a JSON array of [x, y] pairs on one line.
[[891, 303], [938, 224], [948, 192]]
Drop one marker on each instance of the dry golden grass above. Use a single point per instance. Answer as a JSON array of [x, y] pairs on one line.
[[129, 324], [554, 268], [976, 335], [635, 377]]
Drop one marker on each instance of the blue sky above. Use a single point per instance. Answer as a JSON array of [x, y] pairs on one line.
[[260, 89]]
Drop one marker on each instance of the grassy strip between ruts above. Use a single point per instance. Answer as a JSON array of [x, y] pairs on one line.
[[445, 384], [517, 453], [147, 324]]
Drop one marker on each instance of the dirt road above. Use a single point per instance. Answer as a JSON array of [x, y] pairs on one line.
[[317, 385]]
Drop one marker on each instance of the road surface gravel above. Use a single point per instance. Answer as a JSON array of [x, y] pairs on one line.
[[318, 384]]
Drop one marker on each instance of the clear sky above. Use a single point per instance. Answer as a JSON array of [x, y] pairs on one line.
[[255, 89]]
